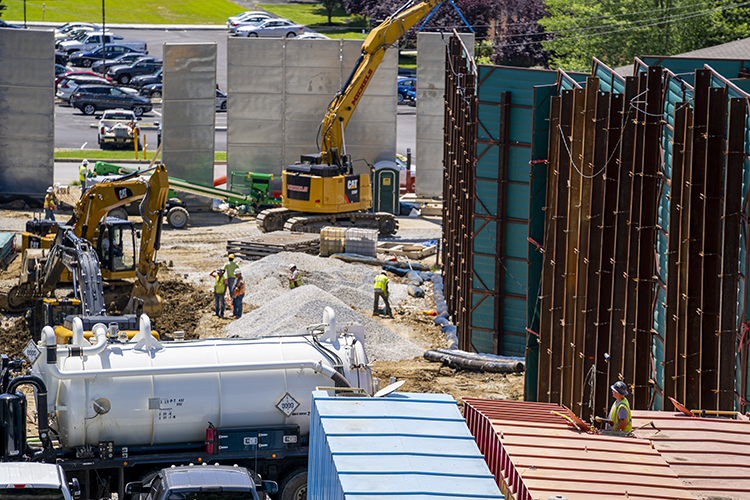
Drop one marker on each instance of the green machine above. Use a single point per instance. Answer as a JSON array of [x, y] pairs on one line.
[[264, 190]]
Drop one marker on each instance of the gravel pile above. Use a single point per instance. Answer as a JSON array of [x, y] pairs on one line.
[[326, 282]]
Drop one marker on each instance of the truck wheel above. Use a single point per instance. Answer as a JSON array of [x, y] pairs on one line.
[[178, 217], [294, 486], [88, 109], [118, 213]]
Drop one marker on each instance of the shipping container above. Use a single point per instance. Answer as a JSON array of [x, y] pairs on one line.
[[404, 445]]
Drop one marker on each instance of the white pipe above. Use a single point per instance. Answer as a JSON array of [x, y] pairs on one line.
[[329, 318], [178, 370], [99, 330]]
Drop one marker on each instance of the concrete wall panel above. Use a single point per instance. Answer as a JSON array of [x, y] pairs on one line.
[[189, 108], [26, 90], [306, 75], [430, 107]]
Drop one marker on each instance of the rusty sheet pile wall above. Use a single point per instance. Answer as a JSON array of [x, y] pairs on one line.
[[622, 203], [458, 184]]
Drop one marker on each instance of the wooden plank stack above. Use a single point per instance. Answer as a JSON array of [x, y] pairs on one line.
[[257, 247]]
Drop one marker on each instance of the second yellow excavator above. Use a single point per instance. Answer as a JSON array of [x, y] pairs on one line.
[[322, 190], [92, 247]]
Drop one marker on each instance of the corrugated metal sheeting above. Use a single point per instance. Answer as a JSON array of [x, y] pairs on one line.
[[535, 454], [404, 445]]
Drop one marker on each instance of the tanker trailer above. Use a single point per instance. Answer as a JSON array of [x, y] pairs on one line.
[[119, 410]]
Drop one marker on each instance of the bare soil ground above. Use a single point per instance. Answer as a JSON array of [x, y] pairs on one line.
[[192, 253]]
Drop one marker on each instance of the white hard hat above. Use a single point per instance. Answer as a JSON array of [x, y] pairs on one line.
[[292, 266], [50, 189], [85, 161]]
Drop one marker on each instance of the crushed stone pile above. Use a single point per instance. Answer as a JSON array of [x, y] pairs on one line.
[[346, 288]]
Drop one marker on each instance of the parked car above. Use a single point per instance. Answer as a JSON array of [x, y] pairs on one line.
[[77, 33], [190, 482], [60, 69], [95, 39], [142, 80], [62, 31], [272, 28], [233, 20], [152, 90], [143, 66], [247, 19], [221, 100], [124, 59], [92, 98], [3, 24], [69, 73], [87, 58], [312, 36], [67, 86], [61, 57], [405, 86]]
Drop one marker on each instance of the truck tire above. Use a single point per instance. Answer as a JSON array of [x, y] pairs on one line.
[[178, 217], [294, 486]]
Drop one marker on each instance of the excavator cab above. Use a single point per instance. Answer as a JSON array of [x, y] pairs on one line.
[[115, 247]]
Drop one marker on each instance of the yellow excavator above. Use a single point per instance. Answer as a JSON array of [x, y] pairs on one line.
[[92, 247], [322, 190]]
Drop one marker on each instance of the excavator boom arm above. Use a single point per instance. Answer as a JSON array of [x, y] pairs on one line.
[[381, 38]]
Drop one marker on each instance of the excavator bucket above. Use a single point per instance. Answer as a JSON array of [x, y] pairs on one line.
[[146, 300]]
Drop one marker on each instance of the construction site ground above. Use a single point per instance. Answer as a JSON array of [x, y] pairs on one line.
[[189, 255]]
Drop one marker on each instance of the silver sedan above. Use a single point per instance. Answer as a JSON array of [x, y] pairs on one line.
[[277, 28]]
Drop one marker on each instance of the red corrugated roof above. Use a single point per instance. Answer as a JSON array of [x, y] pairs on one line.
[[538, 455], [710, 455]]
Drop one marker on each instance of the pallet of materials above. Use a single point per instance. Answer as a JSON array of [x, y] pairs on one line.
[[410, 250], [257, 247]]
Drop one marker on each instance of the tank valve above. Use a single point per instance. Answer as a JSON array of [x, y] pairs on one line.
[[112, 331]]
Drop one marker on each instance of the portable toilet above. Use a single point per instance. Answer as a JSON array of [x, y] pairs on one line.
[[386, 190]]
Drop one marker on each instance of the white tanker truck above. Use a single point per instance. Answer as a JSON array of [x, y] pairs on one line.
[[118, 410]]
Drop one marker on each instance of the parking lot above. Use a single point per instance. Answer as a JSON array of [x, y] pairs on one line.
[[74, 130]]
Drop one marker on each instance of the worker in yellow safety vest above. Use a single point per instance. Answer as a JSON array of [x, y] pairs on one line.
[[381, 290], [83, 172], [294, 279], [620, 418], [50, 204], [229, 268], [220, 289]]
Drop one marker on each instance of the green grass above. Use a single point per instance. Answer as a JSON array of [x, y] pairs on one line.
[[114, 155], [124, 11]]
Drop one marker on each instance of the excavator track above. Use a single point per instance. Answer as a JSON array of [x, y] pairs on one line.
[[384, 222], [273, 219], [14, 300]]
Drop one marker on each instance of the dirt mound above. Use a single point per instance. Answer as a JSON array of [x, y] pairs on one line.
[[184, 306], [14, 335]]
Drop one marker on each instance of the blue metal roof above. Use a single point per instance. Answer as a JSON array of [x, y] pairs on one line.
[[405, 445]]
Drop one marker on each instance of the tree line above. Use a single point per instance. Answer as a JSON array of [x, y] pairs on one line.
[[567, 34]]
